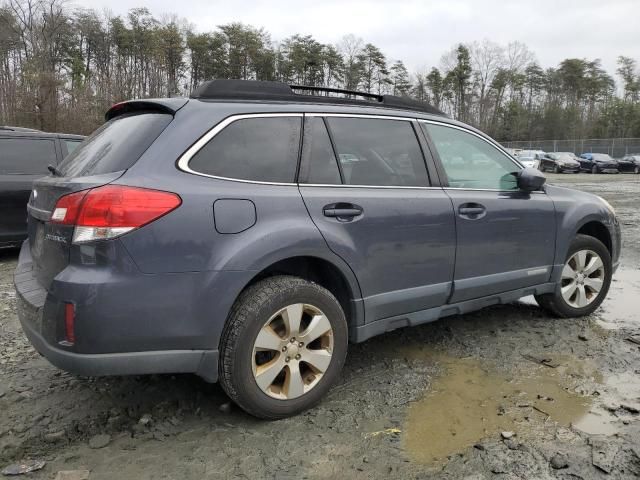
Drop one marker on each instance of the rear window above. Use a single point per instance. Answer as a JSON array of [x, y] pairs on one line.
[[262, 149], [26, 156], [602, 157], [116, 145]]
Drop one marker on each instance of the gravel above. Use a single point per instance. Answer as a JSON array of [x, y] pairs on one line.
[[177, 426]]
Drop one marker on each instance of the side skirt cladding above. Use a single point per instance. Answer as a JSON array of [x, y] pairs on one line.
[[365, 332]]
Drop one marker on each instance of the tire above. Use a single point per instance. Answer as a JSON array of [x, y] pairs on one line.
[[594, 169], [636, 170], [557, 304], [253, 312], [556, 169]]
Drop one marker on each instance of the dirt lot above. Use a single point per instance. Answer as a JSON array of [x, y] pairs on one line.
[[507, 392]]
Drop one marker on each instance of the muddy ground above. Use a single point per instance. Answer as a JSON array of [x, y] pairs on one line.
[[425, 402]]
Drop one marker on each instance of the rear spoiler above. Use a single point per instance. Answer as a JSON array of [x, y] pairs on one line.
[[162, 105]]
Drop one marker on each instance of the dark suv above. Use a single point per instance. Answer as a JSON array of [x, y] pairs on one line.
[[25, 155], [248, 233], [598, 163]]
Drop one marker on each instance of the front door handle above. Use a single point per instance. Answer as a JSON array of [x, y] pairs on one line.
[[342, 211], [472, 211]]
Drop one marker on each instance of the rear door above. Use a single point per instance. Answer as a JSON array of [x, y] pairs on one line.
[[22, 160], [366, 187], [505, 236]]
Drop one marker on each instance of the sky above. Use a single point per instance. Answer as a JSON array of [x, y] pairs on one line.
[[420, 32]]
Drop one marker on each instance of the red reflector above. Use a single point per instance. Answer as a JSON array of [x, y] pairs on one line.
[[69, 322]]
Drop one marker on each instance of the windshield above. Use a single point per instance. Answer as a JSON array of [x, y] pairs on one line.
[[602, 157], [562, 156], [115, 146]]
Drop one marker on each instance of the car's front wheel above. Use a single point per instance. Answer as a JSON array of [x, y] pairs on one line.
[[283, 347], [594, 169], [584, 282]]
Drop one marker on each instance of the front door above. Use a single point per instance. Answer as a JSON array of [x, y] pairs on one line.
[[366, 187], [505, 237]]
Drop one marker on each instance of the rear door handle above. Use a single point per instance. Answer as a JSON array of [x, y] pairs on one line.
[[342, 210], [472, 211]]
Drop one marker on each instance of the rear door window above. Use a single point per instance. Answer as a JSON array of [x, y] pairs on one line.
[[116, 145], [26, 156], [378, 152], [260, 149]]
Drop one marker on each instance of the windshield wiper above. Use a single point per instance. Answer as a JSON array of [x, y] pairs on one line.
[[54, 171]]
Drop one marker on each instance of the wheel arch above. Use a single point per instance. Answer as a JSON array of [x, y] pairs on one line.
[[336, 278], [597, 230]]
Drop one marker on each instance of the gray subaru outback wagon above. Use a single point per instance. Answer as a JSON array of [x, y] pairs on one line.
[[249, 233]]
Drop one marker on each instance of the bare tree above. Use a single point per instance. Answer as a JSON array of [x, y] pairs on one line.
[[487, 58]]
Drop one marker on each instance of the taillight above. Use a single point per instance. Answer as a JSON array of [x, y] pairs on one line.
[[112, 210], [67, 208]]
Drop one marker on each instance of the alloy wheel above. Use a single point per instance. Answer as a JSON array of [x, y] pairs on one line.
[[582, 278], [292, 351]]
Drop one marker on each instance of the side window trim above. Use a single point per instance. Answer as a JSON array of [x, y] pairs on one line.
[[183, 162], [436, 155]]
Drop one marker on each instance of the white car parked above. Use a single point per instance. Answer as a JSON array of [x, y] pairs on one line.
[[531, 158]]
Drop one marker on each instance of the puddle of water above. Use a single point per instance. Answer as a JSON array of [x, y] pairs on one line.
[[620, 307], [470, 401]]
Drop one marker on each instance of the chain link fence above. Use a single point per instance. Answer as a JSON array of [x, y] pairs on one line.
[[616, 147]]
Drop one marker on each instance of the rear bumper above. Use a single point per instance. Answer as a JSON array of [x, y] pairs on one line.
[[627, 167], [202, 362], [108, 336]]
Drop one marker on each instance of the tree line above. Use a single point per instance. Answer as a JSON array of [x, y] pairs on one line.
[[61, 68]]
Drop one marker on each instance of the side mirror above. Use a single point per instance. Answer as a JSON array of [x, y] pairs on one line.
[[530, 179]]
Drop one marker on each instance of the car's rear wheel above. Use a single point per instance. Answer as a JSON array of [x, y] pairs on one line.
[[556, 169], [283, 347], [594, 169], [636, 170], [584, 282]]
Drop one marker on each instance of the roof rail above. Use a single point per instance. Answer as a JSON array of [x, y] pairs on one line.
[[308, 88], [18, 129], [223, 89]]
